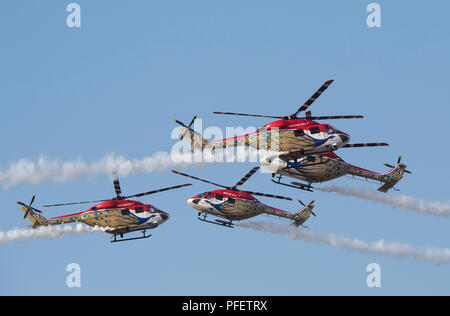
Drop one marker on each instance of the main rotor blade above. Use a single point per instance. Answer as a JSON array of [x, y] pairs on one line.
[[336, 117], [247, 176], [195, 178], [117, 185], [76, 203], [255, 115], [157, 191], [365, 145], [268, 195], [313, 97]]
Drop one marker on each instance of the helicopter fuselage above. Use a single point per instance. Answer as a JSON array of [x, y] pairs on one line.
[[288, 135], [118, 216]]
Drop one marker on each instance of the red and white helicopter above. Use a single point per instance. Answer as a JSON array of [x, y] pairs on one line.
[[118, 215], [292, 136], [232, 204], [328, 166]]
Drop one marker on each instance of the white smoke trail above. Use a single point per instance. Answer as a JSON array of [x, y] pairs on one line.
[[399, 250], [44, 169], [402, 201], [51, 232], [27, 171]]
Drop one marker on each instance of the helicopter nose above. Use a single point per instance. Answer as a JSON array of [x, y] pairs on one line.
[[266, 161], [164, 216], [272, 163], [344, 138], [193, 202]]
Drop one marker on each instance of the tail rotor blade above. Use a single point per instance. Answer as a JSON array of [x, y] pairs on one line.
[[29, 208], [193, 120], [301, 202], [179, 122], [32, 199], [398, 162], [187, 127]]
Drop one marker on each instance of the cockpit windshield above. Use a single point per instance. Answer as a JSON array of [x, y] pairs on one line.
[[337, 131], [329, 129], [153, 209]]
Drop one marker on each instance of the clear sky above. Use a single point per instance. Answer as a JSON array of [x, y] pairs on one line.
[[115, 84]]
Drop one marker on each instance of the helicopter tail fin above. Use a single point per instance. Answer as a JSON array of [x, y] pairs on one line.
[[303, 215], [196, 140], [35, 218], [392, 177]]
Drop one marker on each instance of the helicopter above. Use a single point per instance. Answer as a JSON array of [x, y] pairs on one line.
[[293, 136], [231, 204], [119, 216], [328, 166]]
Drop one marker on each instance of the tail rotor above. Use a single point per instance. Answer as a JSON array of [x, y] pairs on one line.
[[29, 208], [188, 128], [309, 206], [399, 164]]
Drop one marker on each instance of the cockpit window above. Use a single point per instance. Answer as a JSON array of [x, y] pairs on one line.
[[138, 210], [219, 197], [315, 130]]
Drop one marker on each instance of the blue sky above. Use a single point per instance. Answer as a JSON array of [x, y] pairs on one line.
[[115, 84]]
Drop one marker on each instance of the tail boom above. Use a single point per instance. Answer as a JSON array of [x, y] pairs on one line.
[[298, 218]]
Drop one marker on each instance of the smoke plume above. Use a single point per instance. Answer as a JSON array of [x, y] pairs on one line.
[[44, 169], [402, 201], [48, 232], [398, 250]]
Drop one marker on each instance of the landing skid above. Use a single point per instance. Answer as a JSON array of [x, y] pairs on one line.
[[301, 186], [219, 222], [144, 236]]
